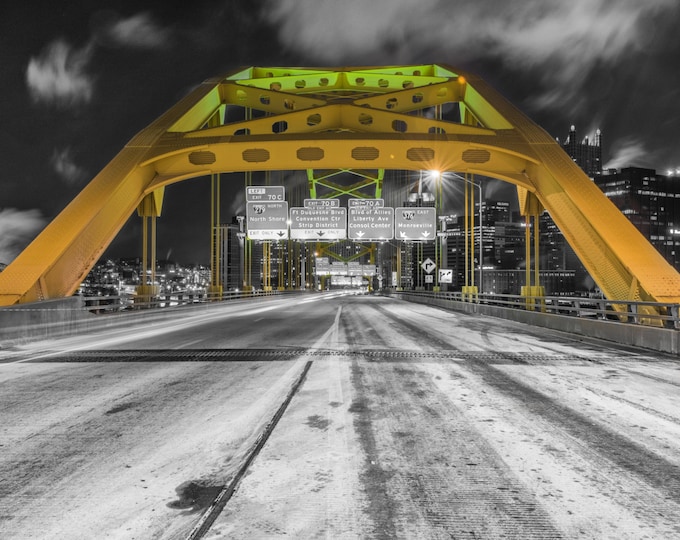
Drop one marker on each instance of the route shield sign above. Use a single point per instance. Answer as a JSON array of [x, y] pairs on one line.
[[370, 223], [415, 223], [267, 220], [264, 193], [320, 224]]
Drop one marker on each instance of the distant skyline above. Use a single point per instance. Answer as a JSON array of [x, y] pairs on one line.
[[79, 81]]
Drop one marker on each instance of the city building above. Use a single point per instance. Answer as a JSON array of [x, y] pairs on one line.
[[231, 256], [651, 201], [586, 153]]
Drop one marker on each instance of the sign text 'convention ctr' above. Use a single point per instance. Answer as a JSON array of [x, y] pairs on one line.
[[267, 220], [415, 223], [319, 224]]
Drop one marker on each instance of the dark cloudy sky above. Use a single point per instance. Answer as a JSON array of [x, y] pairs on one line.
[[78, 79]]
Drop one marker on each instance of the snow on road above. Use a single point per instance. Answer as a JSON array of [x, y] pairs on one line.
[[413, 422]]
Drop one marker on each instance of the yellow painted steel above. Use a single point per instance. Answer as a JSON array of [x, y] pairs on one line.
[[149, 210], [368, 118]]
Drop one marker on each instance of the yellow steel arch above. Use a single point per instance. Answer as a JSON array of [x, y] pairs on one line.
[[369, 118]]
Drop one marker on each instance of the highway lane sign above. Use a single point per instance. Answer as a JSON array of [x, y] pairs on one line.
[[370, 223], [320, 224], [267, 220], [323, 203], [415, 223], [365, 202], [265, 193]]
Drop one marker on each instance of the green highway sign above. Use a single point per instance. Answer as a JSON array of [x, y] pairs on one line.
[[265, 193], [320, 224], [415, 223], [370, 223], [267, 220]]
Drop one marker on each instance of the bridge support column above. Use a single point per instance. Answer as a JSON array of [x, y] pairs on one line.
[[282, 277], [291, 258], [470, 290], [216, 235], [530, 207], [267, 266], [149, 210], [397, 285], [216, 287], [248, 245]]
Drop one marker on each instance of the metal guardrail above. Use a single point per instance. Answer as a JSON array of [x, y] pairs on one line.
[[112, 304], [658, 314]]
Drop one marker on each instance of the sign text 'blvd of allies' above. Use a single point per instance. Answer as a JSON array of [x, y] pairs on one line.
[[268, 218]]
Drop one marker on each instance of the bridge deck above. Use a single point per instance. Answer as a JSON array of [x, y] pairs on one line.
[[411, 422]]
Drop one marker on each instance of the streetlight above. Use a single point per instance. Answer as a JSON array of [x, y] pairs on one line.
[[439, 175]]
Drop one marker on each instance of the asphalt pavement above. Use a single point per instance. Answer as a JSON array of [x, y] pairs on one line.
[[337, 416]]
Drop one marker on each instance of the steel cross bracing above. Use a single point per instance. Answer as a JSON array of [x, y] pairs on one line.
[[368, 118], [359, 190]]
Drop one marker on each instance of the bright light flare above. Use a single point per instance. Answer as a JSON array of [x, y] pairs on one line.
[[434, 174]]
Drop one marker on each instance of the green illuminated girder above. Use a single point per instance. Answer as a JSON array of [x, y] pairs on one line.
[[325, 250], [321, 178]]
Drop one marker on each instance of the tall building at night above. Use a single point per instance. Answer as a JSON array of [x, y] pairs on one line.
[[651, 201], [586, 153], [555, 252], [231, 257]]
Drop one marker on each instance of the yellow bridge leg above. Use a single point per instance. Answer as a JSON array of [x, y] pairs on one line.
[[530, 207], [149, 210], [216, 287]]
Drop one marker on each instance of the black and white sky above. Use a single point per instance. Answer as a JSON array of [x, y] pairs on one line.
[[78, 79]]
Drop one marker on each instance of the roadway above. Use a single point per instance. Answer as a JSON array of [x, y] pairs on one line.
[[337, 416]]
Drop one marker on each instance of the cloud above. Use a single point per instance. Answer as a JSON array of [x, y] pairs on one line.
[[137, 31], [559, 42], [628, 152], [65, 166], [58, 75], [18, 228]]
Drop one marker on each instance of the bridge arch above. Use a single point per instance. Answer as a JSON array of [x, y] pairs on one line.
[[262, 118]]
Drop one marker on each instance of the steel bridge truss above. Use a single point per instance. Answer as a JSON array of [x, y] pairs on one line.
[[416, 117]]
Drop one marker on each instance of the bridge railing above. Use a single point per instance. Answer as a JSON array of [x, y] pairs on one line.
[[112, 304], [666, 315], [77, 314]]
